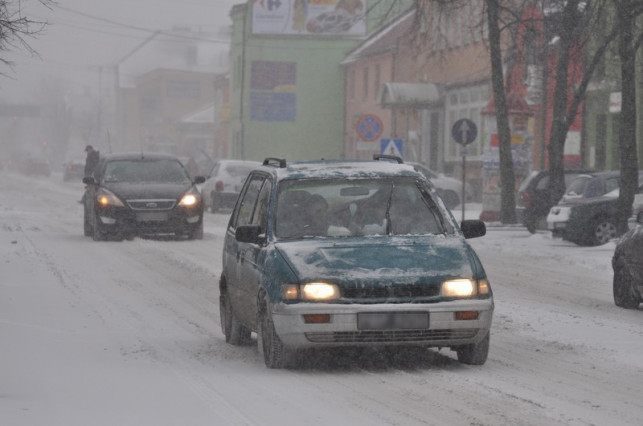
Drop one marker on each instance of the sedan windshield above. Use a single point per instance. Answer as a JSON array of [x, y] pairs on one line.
[[138, 171], [356, 208]]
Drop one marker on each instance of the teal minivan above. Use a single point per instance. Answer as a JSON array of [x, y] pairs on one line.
[[350, 253]]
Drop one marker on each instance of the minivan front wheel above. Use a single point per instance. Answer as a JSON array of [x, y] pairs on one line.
[[475, 353], [275, 355], [235, 333]]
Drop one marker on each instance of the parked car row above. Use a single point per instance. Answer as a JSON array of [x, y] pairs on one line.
[[534, 198], [450, 189], [587, 213]]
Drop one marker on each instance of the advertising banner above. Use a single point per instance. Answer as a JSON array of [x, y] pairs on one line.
[[297, 17]]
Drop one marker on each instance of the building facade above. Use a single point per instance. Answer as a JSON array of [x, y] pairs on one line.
[[286, 82]]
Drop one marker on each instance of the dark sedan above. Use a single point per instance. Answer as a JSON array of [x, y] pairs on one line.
[[627, 263], [142, 194]]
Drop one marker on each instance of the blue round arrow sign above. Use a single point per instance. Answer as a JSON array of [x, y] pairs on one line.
[[464, 131]]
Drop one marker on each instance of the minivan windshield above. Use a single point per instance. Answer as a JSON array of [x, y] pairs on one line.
[[343, 208]]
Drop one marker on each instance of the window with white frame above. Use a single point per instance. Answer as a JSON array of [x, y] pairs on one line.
[[465, 102]]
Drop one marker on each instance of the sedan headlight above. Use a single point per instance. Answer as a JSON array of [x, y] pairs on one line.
[[107, 198], [311, 292], [191, 198], [465, 287]]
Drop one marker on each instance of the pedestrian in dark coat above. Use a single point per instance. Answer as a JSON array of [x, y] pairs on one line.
[[92, 160]]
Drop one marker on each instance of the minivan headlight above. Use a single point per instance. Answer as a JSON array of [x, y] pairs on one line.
[[465, 287], [312, 292]]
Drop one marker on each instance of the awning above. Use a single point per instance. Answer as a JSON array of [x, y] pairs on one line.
[[408, 95]]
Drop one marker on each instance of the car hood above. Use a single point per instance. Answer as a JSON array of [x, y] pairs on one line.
[[378, 259], [149, 191]]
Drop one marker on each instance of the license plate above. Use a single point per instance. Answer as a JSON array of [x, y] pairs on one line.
[[392, 320], [151, 217]]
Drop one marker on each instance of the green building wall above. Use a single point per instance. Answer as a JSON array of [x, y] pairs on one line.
[[318, 87], [600, 126]]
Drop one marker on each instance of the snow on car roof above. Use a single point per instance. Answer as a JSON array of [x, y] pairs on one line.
[[345, 169]]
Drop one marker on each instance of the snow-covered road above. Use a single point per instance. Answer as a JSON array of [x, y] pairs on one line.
[[127, 333]]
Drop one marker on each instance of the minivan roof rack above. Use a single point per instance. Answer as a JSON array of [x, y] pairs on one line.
[[378, 157], [271, 161]]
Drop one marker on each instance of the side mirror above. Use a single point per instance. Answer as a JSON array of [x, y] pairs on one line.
[[89, 180], [473, 228], [248, 234], [199, 179]]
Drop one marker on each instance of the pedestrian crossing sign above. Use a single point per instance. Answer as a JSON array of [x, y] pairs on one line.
[[392, 146]]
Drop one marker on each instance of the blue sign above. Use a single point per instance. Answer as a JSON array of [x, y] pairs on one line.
[[391, 146], [464, 131]]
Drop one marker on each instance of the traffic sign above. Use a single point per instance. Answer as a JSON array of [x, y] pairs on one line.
[[464, 131], [369, 127], [392, 146]]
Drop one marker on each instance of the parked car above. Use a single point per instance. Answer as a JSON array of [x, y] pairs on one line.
[[586, 215], [74, 169], [450, 189], [627, 264], [533, 200], [222, 188], [35, 165], [142, 194], [350, 253]]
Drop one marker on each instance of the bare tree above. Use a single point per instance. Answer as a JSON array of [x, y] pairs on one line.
[[626, 12], [507, 178], [16, 28], [577, 27]]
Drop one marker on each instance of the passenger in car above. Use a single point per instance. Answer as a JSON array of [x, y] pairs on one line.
[[316, 216]]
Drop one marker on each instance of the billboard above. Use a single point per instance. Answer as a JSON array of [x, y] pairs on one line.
[[273, 91], [315, 17]]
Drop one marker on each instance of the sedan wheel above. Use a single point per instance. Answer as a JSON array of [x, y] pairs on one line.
[[275, 355], [604, 231], [97, 235], [214, 207], [622, 287], [196, 234], [87, 227], [530, 224]]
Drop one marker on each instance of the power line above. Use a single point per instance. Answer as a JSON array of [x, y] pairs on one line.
[[146, 30]]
